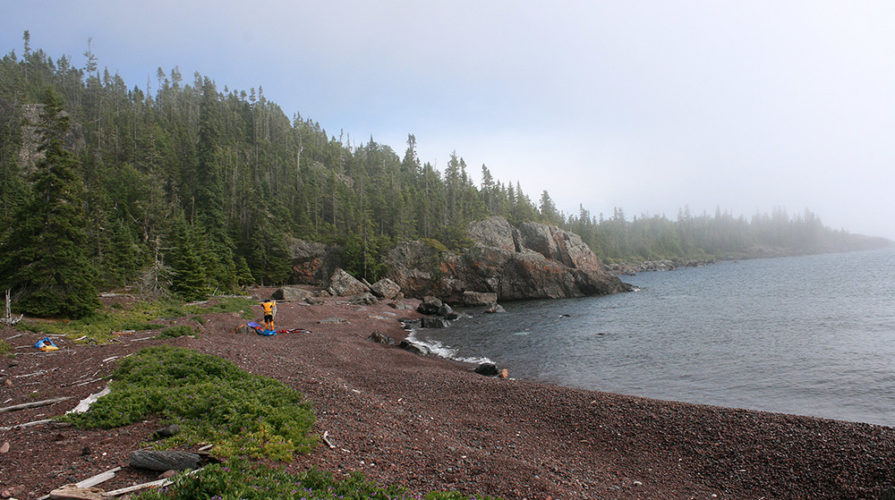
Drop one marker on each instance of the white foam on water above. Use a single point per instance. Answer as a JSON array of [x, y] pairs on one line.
[[443, 351]]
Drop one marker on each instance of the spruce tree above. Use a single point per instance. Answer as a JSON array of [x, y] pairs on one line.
[[43, 255], [186, 259]]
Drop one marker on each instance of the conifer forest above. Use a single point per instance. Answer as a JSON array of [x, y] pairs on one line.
[[185, 186]]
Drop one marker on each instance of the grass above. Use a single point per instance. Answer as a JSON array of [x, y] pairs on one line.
[[4, 347], [240, 479], [211, 399], [138, 316]]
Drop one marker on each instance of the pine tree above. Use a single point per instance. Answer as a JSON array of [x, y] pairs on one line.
[[43, 256]]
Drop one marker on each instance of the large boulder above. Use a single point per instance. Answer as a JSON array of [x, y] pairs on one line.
[[312, 262], [344, 284], [385, 288], [291, 294]]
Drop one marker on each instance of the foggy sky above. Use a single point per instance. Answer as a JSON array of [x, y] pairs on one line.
[[644, 105]]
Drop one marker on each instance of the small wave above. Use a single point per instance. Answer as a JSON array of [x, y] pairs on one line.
[[443, 351]]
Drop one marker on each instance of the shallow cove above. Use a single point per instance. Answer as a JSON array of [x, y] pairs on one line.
[[811, 335]]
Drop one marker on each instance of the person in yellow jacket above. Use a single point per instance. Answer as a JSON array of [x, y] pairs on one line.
[[270, 312]]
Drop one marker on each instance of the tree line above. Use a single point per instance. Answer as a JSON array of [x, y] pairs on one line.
[[183, 187]]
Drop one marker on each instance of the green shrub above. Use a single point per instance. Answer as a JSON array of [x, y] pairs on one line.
[[4, 347], [211, 399], [240, 479]]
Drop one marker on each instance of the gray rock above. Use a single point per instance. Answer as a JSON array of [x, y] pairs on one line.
[[164, 460], [385, 288], [414, 348], [314, 301], [166, 432], [291, 294], [344, 284], [381, 338], [332, 321], [444, 310], [434, 322], [429, 305], [365, 299]]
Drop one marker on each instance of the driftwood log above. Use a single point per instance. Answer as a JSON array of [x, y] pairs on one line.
[[33, 404]]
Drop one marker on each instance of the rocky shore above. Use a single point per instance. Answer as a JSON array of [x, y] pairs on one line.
[[430, 424]]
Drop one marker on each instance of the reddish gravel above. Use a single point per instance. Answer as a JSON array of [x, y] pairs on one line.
[[431, 424]]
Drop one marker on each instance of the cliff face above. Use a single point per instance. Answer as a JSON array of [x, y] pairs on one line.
[[529, 262]]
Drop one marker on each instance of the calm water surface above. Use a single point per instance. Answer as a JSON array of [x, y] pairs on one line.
[[808, 335]]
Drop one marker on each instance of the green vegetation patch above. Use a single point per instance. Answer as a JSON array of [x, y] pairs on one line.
[[4, 347], [211, 399], [138, 316], [238, 479]]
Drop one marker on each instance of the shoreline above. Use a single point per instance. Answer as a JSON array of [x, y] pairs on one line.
[[432, 424]]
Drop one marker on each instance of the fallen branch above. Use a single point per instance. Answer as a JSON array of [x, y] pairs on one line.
[[41, 372], [33, 404], [28, 424], [325, 440], [89, 381], [80, 382]]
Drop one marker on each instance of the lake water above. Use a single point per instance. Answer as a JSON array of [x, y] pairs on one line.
[[811, 335]]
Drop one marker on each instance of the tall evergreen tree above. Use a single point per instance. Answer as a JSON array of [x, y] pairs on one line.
[[43, 257]]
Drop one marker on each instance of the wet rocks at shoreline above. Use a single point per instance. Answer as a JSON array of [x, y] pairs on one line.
[[627, 269]]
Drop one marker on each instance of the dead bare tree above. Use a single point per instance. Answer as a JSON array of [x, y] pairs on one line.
[[7, 318]]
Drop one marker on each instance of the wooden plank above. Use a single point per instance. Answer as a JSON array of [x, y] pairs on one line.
[[97, 479]]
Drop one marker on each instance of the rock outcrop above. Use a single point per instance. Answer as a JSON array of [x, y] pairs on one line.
[[312, 262], [533, 261]]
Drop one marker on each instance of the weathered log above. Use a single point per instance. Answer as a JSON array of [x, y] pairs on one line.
[[164, 460], [33, 404]]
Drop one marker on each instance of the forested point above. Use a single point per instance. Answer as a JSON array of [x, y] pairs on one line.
[[181, 187]]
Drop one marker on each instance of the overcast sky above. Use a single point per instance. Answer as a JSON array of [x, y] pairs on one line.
[[644, 105]]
